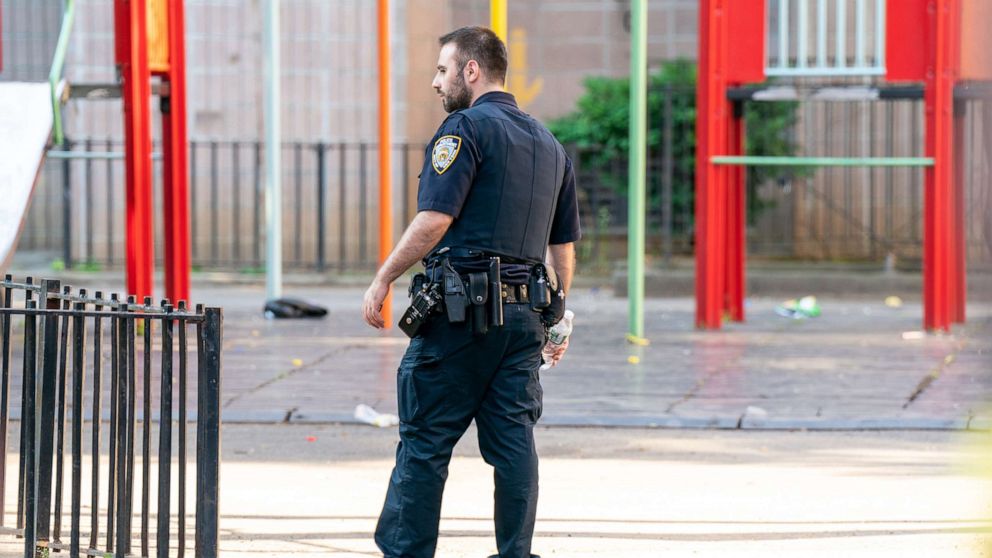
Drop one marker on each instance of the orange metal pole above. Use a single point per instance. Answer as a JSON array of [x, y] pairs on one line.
[[385, 154]]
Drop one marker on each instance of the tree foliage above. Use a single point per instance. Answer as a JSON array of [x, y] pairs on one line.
[[598, 131]]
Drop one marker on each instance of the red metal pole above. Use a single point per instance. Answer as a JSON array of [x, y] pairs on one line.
[[958, 232], [130, 24], [175, 154], [938, 196], [957, 212], [711, 180], [733, 301]]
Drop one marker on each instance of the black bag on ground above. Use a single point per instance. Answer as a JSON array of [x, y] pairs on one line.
[[293, 308]]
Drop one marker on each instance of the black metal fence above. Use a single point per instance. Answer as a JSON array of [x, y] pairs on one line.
[[330, 203], [66, 341], [330, 195]]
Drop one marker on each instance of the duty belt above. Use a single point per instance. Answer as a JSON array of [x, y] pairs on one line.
[[477, 297], [515, 294], [460, 253]]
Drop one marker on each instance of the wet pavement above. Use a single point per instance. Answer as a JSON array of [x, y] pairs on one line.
[[860, 365], [852, 367]]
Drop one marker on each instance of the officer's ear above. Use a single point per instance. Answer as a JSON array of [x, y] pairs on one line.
[[472, 71]]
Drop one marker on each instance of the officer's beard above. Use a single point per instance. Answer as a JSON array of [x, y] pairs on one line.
[[458, 96]]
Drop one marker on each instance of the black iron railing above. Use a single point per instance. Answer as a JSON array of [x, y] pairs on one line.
[[330, 203], [330, 200], [63, 337]]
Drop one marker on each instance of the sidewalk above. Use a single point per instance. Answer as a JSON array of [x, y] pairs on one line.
[[632, 493], [316, 490]]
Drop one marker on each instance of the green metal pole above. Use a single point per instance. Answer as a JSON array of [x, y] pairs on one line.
[[757, 160], [58, 61], [271, 62], [637, 173]]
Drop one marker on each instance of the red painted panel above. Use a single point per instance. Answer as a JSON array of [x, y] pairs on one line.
[[747, 36], [905, 40], [121, 32]]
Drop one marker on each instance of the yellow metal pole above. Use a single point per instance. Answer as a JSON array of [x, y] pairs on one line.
[[497, 17]]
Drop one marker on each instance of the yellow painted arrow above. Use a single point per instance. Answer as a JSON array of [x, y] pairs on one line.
[[518, 82]]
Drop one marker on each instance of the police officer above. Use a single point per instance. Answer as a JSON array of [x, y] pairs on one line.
[[495, 182]]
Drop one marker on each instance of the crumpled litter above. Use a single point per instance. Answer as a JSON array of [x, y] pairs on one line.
[[368, 415], [799, 309], [755, 412]]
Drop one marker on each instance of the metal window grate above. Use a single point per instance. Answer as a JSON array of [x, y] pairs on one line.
[[826, 38]]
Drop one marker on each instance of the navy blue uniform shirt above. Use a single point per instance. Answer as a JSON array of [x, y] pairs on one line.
[[503, 177]]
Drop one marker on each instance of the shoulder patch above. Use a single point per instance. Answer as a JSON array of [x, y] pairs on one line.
[[445, 150]]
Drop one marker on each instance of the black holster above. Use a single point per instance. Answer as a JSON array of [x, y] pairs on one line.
[[478, 293], [547, 294], [476, 298], [455, 297]]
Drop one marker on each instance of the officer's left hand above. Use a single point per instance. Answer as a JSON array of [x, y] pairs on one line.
[[372, 303], [559, 353]]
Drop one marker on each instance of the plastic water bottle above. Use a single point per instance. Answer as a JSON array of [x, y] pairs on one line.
[[557, 336]]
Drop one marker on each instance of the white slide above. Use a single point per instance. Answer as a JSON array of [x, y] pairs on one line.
[[25, 125]]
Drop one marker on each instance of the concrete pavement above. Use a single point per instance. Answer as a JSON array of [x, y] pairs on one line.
[[860, 365], [632, 492], [853, 367], [316, 490], [758, 481]]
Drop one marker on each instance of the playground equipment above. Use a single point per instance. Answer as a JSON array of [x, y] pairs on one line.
[[149, 39], [24, 134], [26, 122], [912, 40]]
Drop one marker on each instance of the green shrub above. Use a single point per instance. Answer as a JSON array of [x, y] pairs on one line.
[[598, 131]]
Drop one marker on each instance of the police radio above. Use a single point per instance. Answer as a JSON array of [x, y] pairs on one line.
[[426, 297]]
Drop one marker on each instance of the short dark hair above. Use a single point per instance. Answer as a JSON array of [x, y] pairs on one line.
[[483, 46]]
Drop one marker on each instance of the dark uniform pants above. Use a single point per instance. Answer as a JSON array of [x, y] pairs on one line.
[[448, 377]]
